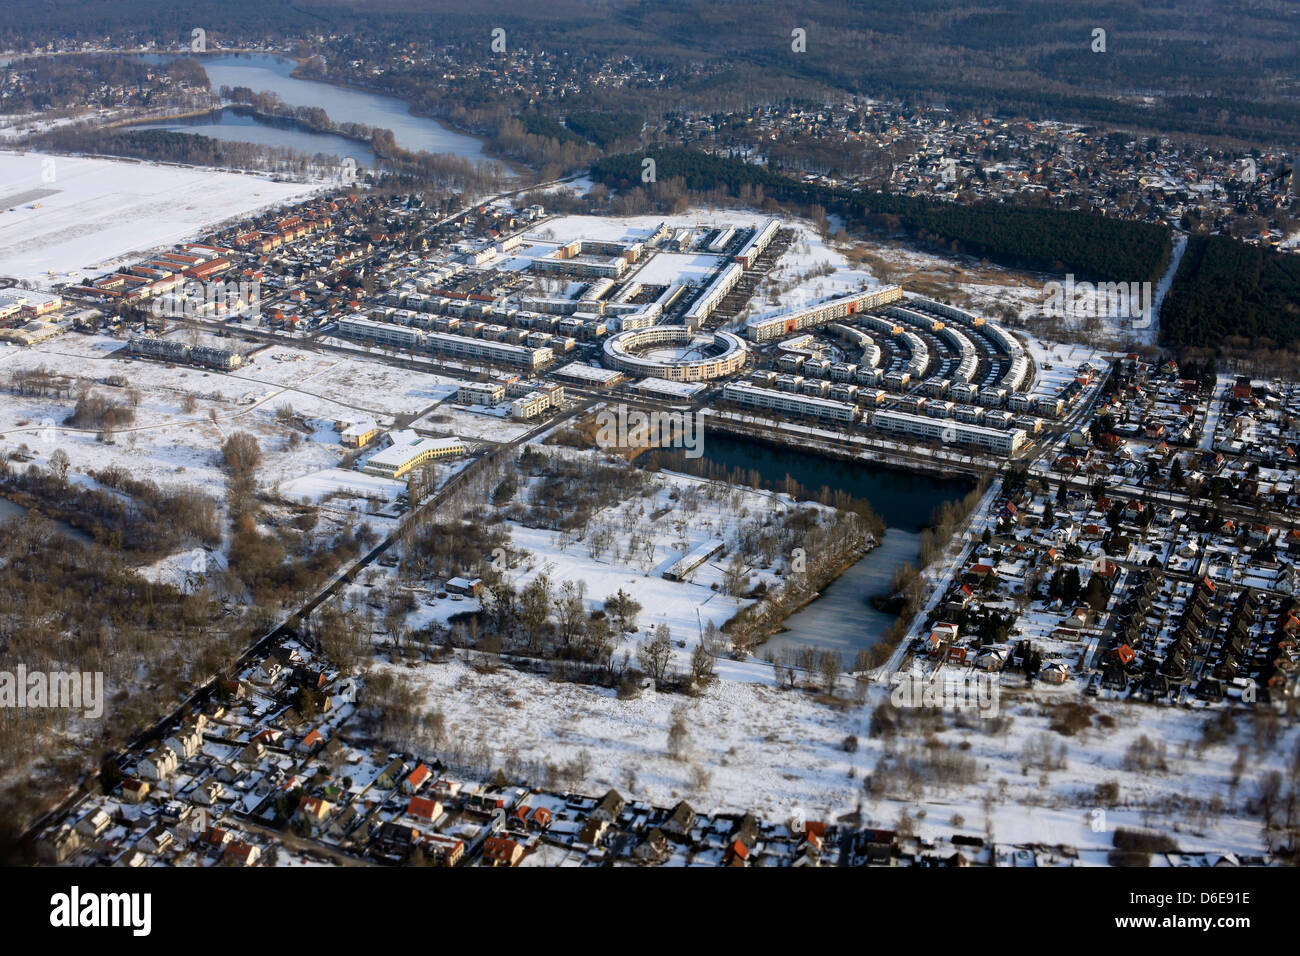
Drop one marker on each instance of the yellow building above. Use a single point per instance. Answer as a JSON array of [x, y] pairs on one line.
[[356, 434], [409, 451]]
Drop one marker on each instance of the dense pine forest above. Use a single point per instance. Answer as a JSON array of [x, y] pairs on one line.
[[1088, 245], [1230, 293]]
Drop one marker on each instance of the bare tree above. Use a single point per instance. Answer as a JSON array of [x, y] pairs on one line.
[[678, 734], [59, 464], [654, 655]]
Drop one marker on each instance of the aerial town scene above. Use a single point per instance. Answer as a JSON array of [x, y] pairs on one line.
[[711, 434]]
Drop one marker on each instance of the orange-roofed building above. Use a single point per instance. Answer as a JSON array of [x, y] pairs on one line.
[[424, 808], [314, 808], [737, 854], [540, 818], [417, 779], [500, 851]]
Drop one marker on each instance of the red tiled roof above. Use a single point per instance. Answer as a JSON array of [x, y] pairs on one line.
[[418, 776], [422, 807]]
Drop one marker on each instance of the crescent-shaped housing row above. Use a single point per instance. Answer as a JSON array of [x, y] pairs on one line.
[[967, 355], [856, 338], [767, 328], [1017, 369], [917, 350]]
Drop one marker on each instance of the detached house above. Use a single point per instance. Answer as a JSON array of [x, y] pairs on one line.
[[441, 850], [134, 790], [1054, 672], [992, 659], [737, 854], [156, 839], [314, 809], [680, 821], [60, 846], [239, 853], [416, 779], [610, 806], [501, 851], [209, 793], [391, 775], [654, 849], [424, 809], [94, 823]]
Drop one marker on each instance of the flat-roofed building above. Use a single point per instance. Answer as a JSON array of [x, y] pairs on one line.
[[409, 451], [949, 431], [29, 302], [460, 346], [530, 405], [693, 559], [586, 267], [765, 329], [696, 359], [31, 333], [758, 242], [790, 403], [711, 297], [385, 333], [481, 393]]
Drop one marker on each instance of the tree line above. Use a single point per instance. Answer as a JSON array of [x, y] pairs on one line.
[[1087, 244], [1228, 293]]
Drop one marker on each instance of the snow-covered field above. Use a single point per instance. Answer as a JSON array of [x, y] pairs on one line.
[[95, 214], [564, 229], [777, 752], [764, 749], [186, 413], [1056, 365], [494, 424], [365, 386], [665, 268], [338, 483]]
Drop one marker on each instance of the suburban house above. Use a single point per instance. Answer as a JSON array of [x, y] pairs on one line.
[[502, 851], [159, 765], [416, 779], [424, 809]]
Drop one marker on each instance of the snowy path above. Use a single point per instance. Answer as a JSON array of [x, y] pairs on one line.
[[1215, 411], [1163, 286]]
